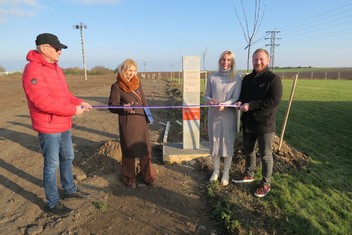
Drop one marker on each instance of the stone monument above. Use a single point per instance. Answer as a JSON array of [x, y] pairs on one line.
[[191, 97]]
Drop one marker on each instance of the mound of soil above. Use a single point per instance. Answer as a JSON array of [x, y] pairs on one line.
[[286, 159]]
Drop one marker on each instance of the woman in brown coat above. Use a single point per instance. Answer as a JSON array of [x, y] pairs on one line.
[[133, 127]]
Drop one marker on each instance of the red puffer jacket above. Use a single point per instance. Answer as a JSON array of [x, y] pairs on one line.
[[50, 103]]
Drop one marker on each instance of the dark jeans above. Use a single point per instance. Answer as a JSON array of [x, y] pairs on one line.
[[265, 141]]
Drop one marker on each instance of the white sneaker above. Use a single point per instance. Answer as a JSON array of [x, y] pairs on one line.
[[214, 177], [225, 180]]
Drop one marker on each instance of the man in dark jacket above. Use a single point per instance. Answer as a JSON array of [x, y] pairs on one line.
[[51, 106], [260, 95]]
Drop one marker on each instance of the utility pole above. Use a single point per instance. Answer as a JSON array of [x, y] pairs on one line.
[[82, 26], [272, 47]]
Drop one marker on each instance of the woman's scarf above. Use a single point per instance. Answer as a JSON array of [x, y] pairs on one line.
[[125, 85]]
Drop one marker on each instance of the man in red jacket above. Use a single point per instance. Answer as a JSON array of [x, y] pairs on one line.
[[51, 107]]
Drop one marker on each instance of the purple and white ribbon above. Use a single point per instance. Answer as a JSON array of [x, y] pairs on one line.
[[164, 106]]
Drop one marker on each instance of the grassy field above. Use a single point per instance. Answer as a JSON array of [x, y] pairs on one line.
[[319, 200]]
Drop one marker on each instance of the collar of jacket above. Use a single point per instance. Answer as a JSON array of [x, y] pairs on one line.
[[34, 56], [258, 74]]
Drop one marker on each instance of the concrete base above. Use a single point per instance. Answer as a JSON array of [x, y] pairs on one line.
[[174, 152]]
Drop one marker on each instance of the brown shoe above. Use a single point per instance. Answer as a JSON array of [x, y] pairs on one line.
[[151, 184], [244, 179], [131, 185], [262, 190]]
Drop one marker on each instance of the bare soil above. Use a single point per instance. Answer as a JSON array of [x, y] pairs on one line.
[[178, 205]]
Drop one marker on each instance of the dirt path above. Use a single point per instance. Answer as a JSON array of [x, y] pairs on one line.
[[175, 206]]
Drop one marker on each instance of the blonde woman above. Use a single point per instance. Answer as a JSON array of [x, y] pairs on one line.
[[133, 127], [223, 88]]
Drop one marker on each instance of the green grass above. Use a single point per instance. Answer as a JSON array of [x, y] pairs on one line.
[[100, 205], [319, 200]]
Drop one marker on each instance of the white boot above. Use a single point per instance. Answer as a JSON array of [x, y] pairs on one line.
[[216, 168], [226, 175]]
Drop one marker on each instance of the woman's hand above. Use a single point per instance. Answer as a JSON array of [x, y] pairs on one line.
[[222, 107], [129, 110], [213, 102]]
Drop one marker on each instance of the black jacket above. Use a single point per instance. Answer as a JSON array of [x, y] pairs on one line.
[[263, 92]]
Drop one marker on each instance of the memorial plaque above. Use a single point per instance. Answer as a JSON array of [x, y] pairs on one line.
[[191, 97]]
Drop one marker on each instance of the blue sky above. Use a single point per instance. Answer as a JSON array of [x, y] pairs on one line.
[[157, 33]]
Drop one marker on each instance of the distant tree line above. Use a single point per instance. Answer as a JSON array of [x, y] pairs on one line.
[[290, 67], [97, 70], [307, 72]]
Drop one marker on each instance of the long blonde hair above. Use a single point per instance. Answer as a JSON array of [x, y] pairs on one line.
[[125, 65], [232, 56]]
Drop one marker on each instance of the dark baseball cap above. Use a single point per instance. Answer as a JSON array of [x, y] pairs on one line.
[[51, 39]]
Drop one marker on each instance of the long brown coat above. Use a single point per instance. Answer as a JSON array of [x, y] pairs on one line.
[[133, 127]]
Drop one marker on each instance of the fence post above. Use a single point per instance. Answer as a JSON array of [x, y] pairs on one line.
[[288, 111]]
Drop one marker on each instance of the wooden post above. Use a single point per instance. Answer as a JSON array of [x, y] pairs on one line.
[[238, 113], [288, 111], [166, 132]]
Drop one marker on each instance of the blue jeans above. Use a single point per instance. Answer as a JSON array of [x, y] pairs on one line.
[[57, 151], [265, 141]]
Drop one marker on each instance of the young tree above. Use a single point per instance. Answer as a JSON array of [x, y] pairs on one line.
[[250, 32], [204, 52]]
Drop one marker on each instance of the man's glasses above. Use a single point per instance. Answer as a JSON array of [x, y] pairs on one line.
[[56, 49]]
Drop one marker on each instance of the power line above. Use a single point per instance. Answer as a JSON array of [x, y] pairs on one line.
[[327, 24], [324, 35], [324, 25], [324, 15]]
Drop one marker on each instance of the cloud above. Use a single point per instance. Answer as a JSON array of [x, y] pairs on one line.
[[33, 3], [15, 12], [17, 9]]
